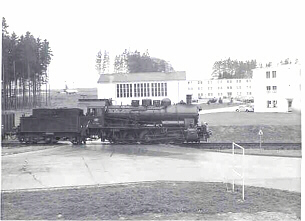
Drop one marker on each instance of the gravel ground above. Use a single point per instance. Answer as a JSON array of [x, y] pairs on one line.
[[152, 200]]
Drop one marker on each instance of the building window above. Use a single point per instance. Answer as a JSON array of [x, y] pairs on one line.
[[124, 90], [273, 74], [268, 89], [152, 89], [162, 89], [274, 89], [159, 89], [141, 86], [121, 90], [272, 104], [268, 74], [145, 90], [135, 90], [141, 90], [138, 90]]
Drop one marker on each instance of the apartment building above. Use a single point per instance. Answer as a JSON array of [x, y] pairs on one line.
[[277, 89], [220, 88]]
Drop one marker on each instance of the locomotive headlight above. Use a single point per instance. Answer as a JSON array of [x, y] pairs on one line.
[[95, 119]]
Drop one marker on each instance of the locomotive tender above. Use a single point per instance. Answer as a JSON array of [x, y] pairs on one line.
[[157, 122]]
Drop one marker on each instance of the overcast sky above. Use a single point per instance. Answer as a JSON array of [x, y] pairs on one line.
[[191, 35]]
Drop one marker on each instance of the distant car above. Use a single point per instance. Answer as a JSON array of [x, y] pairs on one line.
[[246, 108]]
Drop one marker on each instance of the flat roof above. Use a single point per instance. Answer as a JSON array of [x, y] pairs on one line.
[[143, 76]]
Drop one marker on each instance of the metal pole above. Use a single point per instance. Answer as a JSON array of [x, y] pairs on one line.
[[233, 166], [260, 142], [243, 165]]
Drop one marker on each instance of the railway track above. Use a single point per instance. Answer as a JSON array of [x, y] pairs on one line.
[[217, 146], [266, 146]]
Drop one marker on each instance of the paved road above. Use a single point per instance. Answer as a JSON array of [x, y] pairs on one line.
[[94, 163], [218, 110]]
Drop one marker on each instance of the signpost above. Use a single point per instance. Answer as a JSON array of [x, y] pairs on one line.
[[260, 133]]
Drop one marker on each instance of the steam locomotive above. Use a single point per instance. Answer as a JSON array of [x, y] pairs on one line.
[[157, 122]]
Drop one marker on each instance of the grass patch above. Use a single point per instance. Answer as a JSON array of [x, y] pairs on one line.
[[248, 134], [244, 127], [135, 201], [251, 118]]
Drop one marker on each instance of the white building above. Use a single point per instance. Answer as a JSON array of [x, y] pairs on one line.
[[277, 89], [224, 88], [123, 88]]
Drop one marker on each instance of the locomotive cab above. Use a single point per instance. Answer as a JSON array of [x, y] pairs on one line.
[[95, 117]]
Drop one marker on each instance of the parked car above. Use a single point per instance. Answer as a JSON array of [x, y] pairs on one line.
[[246, 108]]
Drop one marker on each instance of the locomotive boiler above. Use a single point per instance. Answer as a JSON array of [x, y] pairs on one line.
[[151, 122]]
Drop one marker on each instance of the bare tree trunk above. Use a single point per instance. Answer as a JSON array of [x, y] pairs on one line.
[[4, 87], [10, 95], [23, 94], [15, 88], [30, 100], [46, 94]]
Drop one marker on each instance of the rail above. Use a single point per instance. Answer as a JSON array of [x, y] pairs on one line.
[[224, 146]]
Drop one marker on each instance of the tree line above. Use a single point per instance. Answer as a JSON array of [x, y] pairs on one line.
[[131, 62], [233, 69], [240, 69], [25, 60]]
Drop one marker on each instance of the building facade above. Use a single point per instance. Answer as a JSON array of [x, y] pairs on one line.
[[123, 88], [220, 88], [277, 89]]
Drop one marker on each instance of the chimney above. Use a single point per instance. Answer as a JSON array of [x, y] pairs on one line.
[[188, 99]]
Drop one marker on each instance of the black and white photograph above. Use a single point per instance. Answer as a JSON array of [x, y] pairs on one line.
[[151, 110]]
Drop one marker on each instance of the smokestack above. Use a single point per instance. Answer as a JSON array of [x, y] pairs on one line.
[[188, 99]]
